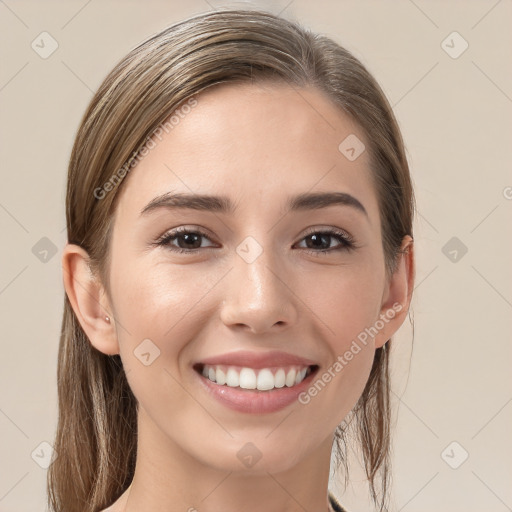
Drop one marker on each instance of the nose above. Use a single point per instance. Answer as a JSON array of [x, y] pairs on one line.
[[259, 296]]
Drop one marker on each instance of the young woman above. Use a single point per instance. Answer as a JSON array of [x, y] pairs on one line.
[[239, 215]]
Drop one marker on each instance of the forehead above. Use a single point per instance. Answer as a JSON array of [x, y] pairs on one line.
[[256, 143]]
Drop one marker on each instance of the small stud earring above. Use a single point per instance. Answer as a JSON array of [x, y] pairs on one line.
[[107, 319]]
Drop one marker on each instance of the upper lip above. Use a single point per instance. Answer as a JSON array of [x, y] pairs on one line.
[[257, 359]]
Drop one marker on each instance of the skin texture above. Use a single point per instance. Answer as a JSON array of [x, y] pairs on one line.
[[257, 144]]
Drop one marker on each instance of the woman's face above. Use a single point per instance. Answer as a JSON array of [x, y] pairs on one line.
[[255, 282]]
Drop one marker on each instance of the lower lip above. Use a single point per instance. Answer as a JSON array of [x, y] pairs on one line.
[[252, 400]]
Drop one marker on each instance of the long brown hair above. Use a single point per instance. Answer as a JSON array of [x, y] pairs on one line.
[[96, 436]]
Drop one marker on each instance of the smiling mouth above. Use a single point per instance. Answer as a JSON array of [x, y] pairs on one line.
[[261, 379]]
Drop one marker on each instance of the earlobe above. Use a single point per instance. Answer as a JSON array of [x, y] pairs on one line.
[[397, 298], [89, 300]]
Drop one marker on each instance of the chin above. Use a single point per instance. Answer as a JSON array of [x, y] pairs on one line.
[[256, 458]]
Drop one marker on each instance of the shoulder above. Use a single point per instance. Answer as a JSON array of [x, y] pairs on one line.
[[335, 505]]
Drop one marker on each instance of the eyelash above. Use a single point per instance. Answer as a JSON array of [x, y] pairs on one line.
[[347, 243]]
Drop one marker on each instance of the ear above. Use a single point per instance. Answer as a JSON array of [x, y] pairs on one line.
[[89, 300], [397, 295]]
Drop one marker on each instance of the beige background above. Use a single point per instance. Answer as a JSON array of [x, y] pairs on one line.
[[455, 114]]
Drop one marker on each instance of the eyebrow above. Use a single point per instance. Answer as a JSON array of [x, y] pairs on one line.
[[222, 204]]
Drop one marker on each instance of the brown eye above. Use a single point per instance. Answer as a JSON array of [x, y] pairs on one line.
[[188, 240], [320, 241]]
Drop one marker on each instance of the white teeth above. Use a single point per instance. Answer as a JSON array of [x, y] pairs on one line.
[[290, 378], [300, 375], [220, 376], [232, 378], [248, 378], [279, 378], [264, 379]]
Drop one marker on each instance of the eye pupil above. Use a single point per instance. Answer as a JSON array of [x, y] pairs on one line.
[[317, 240], [190, 238]]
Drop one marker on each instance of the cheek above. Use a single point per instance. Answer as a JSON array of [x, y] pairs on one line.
[[343, 302], [345, 308], [159, 310], [156, 297]]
